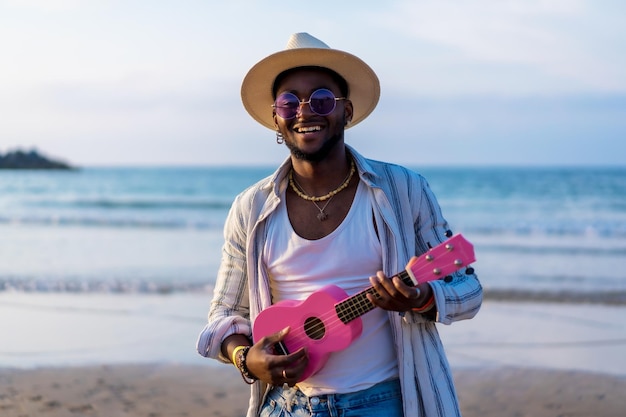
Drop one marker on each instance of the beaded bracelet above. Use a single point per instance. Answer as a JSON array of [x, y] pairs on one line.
[[234, 355], [240, 363], [427, 306]]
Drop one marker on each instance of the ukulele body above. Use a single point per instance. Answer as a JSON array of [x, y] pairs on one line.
[[313, 323]]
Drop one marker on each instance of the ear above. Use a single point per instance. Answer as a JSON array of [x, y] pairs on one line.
[[348, 111], [275, 121]]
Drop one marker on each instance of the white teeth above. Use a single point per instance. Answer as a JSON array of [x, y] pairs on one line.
[[309, 129]]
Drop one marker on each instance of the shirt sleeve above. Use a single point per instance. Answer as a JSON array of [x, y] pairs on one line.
[[458, 296], [229, 312]]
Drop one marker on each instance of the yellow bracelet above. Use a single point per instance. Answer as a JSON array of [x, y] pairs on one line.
[[234, 355]]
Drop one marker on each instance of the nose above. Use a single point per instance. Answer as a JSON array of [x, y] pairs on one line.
[[302, 107]]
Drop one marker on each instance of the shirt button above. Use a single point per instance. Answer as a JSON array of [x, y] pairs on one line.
[[315, 401]]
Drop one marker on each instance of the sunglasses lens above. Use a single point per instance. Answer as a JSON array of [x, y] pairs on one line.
[[287, 105], [322, 102]]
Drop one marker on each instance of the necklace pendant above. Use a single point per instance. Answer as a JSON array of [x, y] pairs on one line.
[[321, 216]]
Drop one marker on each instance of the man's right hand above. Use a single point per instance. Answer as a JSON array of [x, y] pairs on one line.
[[273, 368]]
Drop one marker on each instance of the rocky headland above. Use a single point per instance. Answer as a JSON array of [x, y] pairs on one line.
[[19, 159]]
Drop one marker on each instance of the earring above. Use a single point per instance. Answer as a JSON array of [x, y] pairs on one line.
[[279, 138]]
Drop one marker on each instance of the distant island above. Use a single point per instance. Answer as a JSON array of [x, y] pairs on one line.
[[19, 159]]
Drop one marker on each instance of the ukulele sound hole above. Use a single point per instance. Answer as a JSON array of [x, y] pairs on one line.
[[314, 328]]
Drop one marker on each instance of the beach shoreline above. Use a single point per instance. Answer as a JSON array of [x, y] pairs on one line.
[[157, 390]]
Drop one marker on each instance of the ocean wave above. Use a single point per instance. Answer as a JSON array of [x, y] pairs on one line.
[[554, 250], [99, 286], [108, 203], [614, 297], [606, 297], [606, 229], [213, 215], [120, 222]]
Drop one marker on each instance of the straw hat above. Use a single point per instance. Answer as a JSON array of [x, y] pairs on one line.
[[306, 50]]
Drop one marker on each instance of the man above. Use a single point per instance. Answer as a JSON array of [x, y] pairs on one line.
[[330, 216]]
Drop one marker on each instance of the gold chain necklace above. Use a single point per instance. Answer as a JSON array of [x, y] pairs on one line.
[[298, 189]]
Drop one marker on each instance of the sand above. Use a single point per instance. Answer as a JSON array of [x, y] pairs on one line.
[[184, 390], [540, 393], [514, 359], [123, 390]]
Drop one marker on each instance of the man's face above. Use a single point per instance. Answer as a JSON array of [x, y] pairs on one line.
[[310, 136]]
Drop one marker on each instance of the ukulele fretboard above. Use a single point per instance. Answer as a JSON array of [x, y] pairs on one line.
[[357, 305]]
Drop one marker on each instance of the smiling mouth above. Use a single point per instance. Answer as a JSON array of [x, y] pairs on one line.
[[308, 129]]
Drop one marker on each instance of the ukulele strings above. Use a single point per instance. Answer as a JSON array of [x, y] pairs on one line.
[[317, 331], [330, 321], [363, 305], [354, 309]]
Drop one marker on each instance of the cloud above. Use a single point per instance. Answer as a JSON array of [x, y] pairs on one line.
[[43, 5], [571, 42]]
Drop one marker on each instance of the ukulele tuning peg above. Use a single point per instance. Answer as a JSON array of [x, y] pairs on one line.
[[469, 271], [449, 233], [448, 278], [449, 246], [437, 271], [458, 262], [429, 257]]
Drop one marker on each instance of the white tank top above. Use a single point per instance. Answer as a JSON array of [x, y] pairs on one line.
[[347, 257]]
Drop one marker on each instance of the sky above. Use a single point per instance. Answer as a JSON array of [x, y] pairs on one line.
[[484, 82]]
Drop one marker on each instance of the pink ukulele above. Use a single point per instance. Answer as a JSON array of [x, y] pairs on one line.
[[329, 321]]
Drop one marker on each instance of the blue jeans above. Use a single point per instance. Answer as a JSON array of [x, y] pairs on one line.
[[383, 399]]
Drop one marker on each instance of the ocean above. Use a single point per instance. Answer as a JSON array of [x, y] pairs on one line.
[[538, 232], [116, 265]]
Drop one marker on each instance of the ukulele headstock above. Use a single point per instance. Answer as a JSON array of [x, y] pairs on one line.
[[443, 259]]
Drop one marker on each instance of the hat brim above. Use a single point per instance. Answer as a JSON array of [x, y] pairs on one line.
[[256, 89]]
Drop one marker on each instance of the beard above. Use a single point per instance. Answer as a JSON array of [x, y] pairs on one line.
[[318, 155]]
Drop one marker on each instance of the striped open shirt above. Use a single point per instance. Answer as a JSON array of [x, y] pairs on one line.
[[409, 220]]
